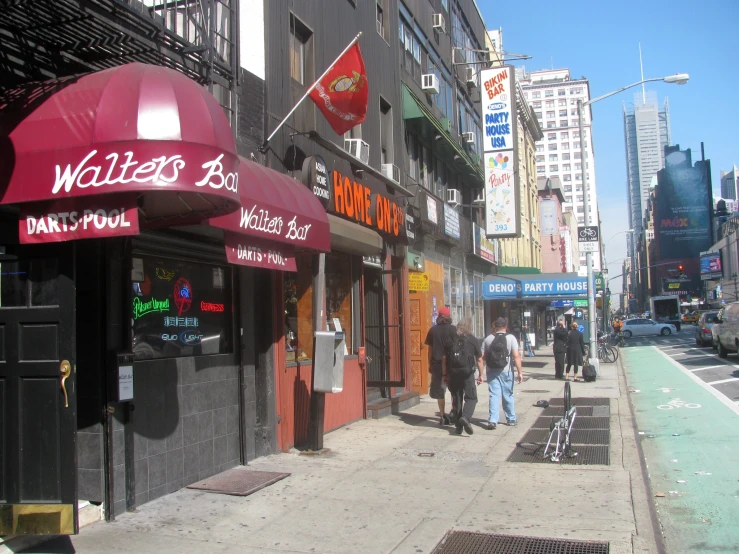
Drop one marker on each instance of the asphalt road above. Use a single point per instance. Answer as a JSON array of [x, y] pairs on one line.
[[685, 405]]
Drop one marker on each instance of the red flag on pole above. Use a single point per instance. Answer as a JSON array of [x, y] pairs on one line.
[[342, 93]]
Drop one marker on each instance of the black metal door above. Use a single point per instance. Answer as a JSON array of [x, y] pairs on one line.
[[380, 333], [38, 408]]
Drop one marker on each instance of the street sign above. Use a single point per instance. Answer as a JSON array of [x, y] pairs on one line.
[[581, 303], [600, 282], [588, 238]]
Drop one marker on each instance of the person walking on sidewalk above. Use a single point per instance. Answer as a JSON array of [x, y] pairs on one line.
[[439, 339], [462, 358], [560, 349], [575, 350], [501, 355]]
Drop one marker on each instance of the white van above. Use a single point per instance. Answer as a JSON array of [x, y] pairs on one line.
[[728, 332]]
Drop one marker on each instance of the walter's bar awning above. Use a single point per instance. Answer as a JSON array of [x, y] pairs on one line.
[[99, 154], [278, 217]]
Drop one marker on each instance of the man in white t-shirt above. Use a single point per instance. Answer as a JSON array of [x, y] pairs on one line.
[[500, 380]]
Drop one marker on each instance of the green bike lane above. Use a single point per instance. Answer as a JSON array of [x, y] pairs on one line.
[[692, 454]]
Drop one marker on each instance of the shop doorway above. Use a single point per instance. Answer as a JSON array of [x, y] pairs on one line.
[[382, 327], [38, 401]]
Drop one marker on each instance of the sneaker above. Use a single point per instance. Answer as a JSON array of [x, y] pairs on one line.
[[489, 426], [466, 424], [511, 423], [443, 420]]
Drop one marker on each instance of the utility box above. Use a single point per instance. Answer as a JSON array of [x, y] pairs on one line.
[[328, 361]]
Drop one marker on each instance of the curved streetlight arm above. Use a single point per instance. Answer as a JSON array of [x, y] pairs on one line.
[[593, 100]]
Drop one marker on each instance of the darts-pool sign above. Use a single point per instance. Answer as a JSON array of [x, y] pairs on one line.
[[418, 281]]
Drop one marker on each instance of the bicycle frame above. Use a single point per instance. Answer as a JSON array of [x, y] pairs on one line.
[[562, 446]]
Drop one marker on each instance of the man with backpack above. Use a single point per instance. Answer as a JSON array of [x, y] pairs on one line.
[[462, 358], [501, 354], [438, 340]]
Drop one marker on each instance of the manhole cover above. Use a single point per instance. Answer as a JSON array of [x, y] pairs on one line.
[[586, 455], [466, 542], [537, 391]]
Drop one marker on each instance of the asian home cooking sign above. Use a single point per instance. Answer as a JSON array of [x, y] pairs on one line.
[[356, 202], [502, 217]]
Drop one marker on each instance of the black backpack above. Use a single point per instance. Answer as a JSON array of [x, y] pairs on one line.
[[496, 355], [588, 373], [458, 359]]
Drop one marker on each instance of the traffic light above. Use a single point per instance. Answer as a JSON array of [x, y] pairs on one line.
[[680, 271]]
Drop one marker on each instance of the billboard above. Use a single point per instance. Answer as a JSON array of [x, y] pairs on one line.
[[498, 106], [548, 217], [711, 266]]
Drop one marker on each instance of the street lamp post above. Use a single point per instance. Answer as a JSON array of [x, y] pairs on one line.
[[680, 79]]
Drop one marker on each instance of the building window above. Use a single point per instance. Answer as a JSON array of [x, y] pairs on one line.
[[552, 147], [550, 114], [539, 159], [576, 90], [552, 157], [299, 310], [551, 125], [564, 135], [573, 111], [578, 167], [536, 94], [562, 113], [187, 315], [299, 37], [537, 105], [566, 167], [538, 115], [540, 169], [412, 147], [552, 136], [563, 123], [382, 28], [565, 146], [386, 132], [567, 178], [562, 102], [553, 168], [549, 104], [540, 148], [577, 155], [578, 176], [561, 92], [575, 123], [576, 134], [339, 293], [548, 93]]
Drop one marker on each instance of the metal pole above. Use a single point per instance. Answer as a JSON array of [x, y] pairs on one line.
[[588, 255]]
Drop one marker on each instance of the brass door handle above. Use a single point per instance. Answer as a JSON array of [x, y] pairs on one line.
[[65, 370]]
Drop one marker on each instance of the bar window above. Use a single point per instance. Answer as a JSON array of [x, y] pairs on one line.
[[299, 37], [180, 308], [298, 292]]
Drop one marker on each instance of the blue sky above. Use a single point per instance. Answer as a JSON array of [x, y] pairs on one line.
[[600, 40]]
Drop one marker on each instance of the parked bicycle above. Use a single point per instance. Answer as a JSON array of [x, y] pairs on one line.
[[560, 430], [606, 353]]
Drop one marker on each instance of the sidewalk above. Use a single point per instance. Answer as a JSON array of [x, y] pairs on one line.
[[373, 493]]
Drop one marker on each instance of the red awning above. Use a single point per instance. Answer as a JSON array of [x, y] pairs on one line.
[[136, 131], [277, 208]]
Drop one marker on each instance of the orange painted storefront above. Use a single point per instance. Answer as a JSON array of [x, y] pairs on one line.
[[421, 305]]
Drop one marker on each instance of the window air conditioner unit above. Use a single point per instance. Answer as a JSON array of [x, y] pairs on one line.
[[392, 172], [430, 83], [470, 76], [357, 148], [439, 23], [453, 198], [468, 138]]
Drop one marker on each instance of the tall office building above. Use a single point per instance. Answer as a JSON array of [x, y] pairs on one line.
[[730, 183], [553, 95], [647, 132]]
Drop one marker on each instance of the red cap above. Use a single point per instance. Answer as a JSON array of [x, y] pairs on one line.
[[444, 312]]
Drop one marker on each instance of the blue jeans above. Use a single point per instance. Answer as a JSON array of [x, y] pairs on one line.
[[500, 384]]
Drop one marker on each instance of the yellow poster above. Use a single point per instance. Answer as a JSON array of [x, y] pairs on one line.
[[418, 281]]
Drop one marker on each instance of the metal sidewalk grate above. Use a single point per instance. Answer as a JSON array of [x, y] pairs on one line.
[[581, 401], [466, 542], [579, 436], [586, 455], [559, 411], [580, 422]]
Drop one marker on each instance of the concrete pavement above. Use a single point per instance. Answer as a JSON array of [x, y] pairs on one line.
[[373, 493]]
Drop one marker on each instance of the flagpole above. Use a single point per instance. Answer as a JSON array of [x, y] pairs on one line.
[[263, 148]]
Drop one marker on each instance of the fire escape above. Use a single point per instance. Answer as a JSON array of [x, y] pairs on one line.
[[45, 40]]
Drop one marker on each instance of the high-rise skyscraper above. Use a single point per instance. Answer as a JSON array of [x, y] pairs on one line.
[[646, 132], [730, 183], [553, 95]]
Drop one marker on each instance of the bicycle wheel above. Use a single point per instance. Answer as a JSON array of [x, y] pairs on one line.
[[614, 351], [568, 397]]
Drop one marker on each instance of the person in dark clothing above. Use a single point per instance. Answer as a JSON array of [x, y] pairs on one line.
[[462, 384], [439, 339], [560, 349], [575, 350]]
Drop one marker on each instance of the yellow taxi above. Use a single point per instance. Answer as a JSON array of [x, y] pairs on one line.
[[692, 317]]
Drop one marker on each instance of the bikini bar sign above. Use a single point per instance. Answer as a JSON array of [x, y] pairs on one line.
[[355, 201], [246, 250], [63, 220]]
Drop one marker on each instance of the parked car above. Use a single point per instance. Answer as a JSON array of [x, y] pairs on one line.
[[691, 317], [715, 328], [640, 326], [728, 333], [703, 333]]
